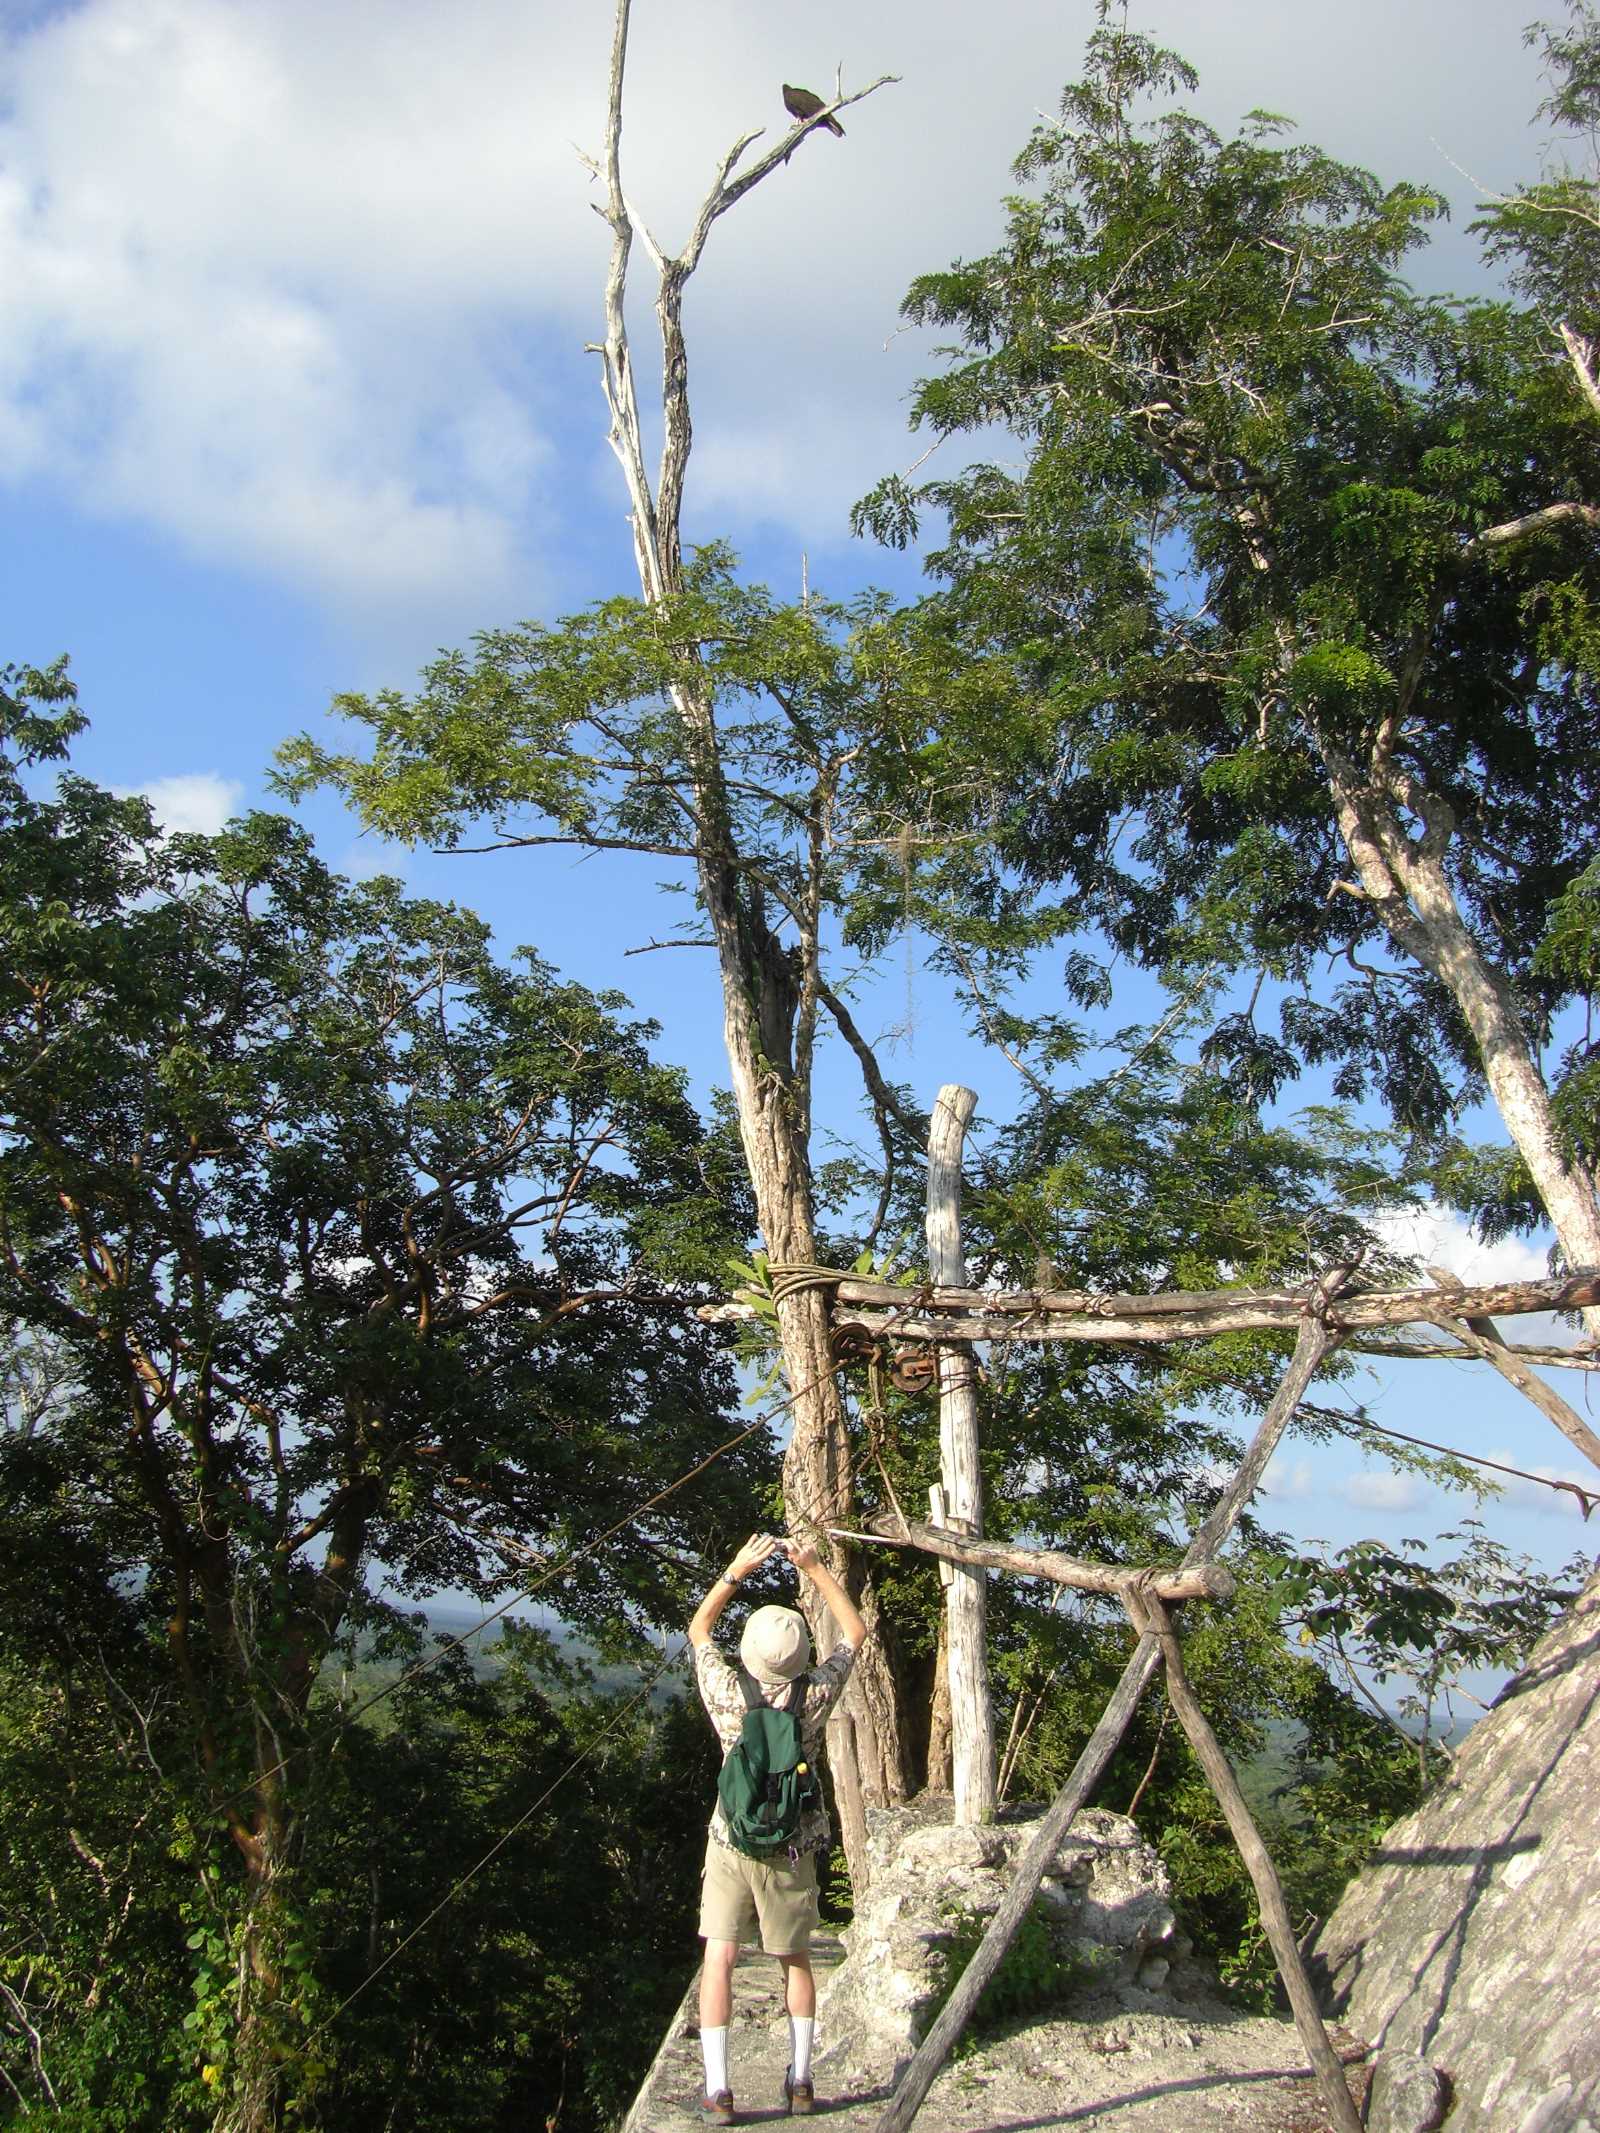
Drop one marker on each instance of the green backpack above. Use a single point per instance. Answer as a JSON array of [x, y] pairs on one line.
[[766, 1782]]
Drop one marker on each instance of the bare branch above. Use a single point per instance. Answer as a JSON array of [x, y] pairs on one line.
[[1149, 1617], [982, 1003], [650, 947], [1205, 1581], [588, 844], [724, 195], [883, 1097], [616, 361], [1517, 529]]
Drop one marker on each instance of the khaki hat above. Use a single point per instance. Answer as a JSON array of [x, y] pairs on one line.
[[776, 1644]]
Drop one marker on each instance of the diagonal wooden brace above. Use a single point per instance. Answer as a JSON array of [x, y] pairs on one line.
[[1149, 1617]]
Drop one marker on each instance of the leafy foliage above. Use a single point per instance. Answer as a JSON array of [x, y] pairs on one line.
[[1382, 1614], [1035, 1975], [328, 1243], [1297, 568]]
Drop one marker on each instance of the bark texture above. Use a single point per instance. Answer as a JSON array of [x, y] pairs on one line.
[[966, 1599], [1404, 877]]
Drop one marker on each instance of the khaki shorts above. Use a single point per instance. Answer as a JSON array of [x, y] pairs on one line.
[[737, 1894]]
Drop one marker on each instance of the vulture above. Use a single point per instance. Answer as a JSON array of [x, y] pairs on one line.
[[804, 104]]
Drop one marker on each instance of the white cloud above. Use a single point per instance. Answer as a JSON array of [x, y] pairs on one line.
[[369, 857], [1528, 1496], [199, 802], [1437, 1236], [249, 289], [1381, 1491], [1289, 1481], [307, 287]]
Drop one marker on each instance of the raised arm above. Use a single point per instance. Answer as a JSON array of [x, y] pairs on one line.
[[750, 1557], [840, 1605]]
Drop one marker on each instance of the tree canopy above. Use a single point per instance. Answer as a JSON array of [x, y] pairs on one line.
[[351, 1252], [343, 1263], [1300, 569]]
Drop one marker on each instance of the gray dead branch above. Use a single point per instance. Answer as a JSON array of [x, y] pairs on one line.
[[1208, 1581], [1148, 1615]]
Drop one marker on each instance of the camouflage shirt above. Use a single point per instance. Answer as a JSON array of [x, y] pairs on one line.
[[725, 1707]]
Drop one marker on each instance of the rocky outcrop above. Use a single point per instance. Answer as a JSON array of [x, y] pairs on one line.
[[1473, 1938], [1106, 1901]]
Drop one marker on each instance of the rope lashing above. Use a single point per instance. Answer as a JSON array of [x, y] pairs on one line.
[[793, 1277], [911, 1369]]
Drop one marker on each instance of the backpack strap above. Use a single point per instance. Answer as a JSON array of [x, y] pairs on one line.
[[755, 1696]]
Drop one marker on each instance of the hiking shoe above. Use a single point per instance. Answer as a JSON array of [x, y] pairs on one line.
[[799, 2096], [718, 2110]]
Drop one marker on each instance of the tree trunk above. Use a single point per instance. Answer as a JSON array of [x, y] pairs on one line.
[[760, 994], [941, 1744], [262, 2077], [1404, 879], [769, 991]]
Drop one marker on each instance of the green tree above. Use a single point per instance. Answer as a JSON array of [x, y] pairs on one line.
[[363, 1250], [1300, 569], [567, 1949], [1547, 236]]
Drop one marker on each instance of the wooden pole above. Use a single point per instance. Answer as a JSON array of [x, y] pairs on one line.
[[1147, 1612], [1311, 1345], [971, 1713]]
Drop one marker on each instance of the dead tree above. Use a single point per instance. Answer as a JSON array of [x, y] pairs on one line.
[[771, 989]]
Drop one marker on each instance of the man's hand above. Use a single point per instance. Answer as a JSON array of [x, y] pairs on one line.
[[809, 1563], [753, 1554], [750, 1557]]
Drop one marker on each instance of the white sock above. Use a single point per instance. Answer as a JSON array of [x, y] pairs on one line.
[[801, 2030], [714, 2050]]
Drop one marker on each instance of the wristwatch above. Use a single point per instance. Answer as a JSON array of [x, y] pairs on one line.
[[725, 1579]]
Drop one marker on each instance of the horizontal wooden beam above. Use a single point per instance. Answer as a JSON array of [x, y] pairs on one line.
[[1584, 1356], [1205, 1581], [974, 1315]]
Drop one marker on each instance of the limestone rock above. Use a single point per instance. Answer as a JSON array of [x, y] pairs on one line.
[[1106, 1898], [1473, 1938], [1407, 2095]]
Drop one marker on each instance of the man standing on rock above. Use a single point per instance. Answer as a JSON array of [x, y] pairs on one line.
[[741, 1894]]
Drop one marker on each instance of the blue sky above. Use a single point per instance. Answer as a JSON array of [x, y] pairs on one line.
[[293, 390]]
